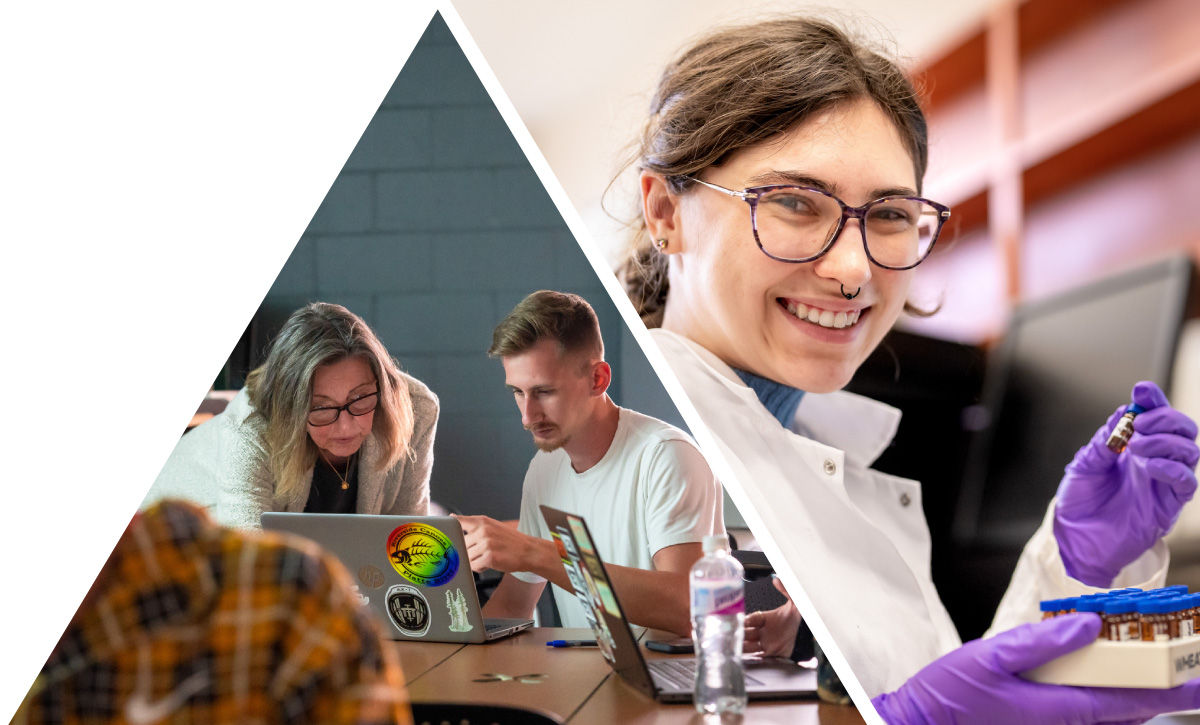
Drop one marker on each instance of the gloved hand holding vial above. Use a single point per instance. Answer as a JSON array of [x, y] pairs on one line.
[[1113, 506]]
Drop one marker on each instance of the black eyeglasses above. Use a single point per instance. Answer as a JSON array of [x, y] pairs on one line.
[[799, 224], [328, 415]]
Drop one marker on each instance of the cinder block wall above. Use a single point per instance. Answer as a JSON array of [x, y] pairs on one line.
[[434, 229]]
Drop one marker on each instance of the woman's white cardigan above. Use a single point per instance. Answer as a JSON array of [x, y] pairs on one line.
[[222, 465]]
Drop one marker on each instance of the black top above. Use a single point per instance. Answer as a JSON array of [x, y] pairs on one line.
[[327, 495]]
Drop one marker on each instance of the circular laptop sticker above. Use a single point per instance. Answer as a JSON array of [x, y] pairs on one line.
[[422, 554], [408, 610]]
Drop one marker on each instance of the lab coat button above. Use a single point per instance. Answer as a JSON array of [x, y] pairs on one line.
[[830, 467], [905, 499]]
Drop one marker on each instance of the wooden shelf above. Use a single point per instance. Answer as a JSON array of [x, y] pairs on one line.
[[1042, 23], [1128, 126], [963, 64], [958, 70], [1119, 130], [1048, 97]]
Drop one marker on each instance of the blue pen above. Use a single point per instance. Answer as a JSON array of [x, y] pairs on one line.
[[571, 643]]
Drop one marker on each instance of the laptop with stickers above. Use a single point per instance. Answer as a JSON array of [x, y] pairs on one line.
[[412, 571], [666, 680]]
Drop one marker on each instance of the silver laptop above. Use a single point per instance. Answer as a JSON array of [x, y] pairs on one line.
[[666, 680], [412, 571]]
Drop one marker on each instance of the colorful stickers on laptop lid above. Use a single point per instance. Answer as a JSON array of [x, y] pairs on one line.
[[457, 604], [422, 554], [408, 610]]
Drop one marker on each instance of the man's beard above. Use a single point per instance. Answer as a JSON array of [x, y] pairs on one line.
[[548, 445]]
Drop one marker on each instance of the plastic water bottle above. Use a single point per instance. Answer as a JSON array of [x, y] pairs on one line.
[[718, 612]]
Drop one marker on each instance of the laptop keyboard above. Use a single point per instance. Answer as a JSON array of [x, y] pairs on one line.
[[681, 674], [677, 674]]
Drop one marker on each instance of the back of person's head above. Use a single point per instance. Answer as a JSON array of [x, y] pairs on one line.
[[171, 586], [280, 390], [546, 315], [740, 86]]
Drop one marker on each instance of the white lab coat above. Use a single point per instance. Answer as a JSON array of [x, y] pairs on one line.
[[856, 539]]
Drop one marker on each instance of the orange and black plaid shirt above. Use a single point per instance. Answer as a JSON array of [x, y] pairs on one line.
[[191, 622]]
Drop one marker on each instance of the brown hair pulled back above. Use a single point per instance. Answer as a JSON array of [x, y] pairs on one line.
[[740, 86]]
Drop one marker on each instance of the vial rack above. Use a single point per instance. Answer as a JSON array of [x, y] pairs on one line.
[[1148, 665]]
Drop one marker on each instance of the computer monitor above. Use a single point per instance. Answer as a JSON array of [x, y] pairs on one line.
[[1062, 369]]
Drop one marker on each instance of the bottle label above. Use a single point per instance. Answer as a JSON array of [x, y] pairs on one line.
[[1130, 632], [719, 599], [1161, 632]]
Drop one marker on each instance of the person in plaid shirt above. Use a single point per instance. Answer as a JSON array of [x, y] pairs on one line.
[[192, 622]]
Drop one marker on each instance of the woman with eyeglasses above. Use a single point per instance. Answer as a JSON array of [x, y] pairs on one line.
[[782, 219], [328, 424]]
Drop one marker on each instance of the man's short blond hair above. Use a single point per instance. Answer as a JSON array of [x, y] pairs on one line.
[[566, 318]]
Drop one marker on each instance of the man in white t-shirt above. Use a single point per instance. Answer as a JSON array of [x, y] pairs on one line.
[[643, 487]]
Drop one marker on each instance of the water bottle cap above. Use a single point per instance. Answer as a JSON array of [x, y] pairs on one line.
[[716, 542]]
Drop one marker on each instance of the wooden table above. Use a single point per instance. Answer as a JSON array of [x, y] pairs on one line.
[[576, 684]]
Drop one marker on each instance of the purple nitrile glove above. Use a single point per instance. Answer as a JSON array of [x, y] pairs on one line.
[[1113, 507], [978, 683]]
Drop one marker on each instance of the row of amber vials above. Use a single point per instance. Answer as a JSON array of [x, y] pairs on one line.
[[1157, 615]]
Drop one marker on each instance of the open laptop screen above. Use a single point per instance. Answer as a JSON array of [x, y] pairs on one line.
[[590, 581]]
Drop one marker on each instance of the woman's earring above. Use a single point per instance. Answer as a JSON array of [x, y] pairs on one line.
[[661, 245]]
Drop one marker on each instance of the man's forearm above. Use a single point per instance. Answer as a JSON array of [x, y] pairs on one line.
[[654, 599], [502, 607], [513, 598], [542, 559]]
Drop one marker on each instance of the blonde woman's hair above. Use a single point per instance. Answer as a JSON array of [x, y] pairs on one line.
[[739, 86], [280, 391]]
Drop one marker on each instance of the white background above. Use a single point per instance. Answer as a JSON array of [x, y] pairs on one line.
[[157, 164]]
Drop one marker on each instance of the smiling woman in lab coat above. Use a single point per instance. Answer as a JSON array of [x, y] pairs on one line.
[[781, 174]]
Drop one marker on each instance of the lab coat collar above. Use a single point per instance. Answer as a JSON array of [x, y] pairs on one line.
[[860, 427]]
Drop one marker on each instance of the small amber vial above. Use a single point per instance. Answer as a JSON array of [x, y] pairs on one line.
[[1055, 607], [1187, 624], [1124, 430], [1096, 604], [1121, 620], [1154, 620], [1175, 618], [1195, 613]]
